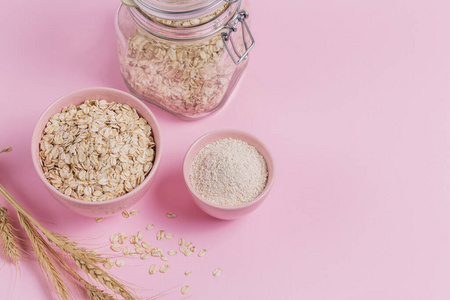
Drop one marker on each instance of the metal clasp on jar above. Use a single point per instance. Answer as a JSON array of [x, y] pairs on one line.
[[232, 26]]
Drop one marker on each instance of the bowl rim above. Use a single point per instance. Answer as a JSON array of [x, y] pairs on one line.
[[224, 133], [139, 103]]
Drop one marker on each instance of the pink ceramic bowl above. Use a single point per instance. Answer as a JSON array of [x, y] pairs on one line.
[[219, 211], [110, 207]]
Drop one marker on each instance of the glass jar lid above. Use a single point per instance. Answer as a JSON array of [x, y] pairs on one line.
[[178, 9]]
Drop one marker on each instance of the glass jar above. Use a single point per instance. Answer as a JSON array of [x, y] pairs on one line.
[[185, 56]]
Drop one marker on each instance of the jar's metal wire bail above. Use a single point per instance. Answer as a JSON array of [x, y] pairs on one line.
[[130, 3], [232, 25]]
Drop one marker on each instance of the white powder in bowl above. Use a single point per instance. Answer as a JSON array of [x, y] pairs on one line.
[[228, 172]]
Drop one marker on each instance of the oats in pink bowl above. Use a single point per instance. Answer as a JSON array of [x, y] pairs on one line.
[[96, 151]]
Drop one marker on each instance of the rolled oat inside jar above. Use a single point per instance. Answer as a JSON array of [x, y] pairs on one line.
[[96, 151]]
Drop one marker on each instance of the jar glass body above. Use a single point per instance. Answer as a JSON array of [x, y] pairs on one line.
[[187, 71]]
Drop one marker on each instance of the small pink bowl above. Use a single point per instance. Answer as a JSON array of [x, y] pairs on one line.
[[110, 207], [220, 211]]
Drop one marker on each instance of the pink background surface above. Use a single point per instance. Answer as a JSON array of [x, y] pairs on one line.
[[350, 96]]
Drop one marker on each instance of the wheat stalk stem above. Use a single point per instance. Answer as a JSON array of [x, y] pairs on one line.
[[43, 258]]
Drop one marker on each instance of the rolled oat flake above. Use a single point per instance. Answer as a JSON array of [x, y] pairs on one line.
[[229, 172]]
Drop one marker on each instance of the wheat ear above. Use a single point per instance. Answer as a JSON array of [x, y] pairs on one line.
[[103, 277], [92, 291], [84, 253], [9, 149], [45, 261], [83, 262], [58, 239], [9, 244]]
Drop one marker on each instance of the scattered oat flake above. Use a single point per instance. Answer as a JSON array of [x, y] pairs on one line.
[[202, 253], [183, 250], [187, 273], [184, 289], [98, 220], [159, 235], [121, 237], [164, 269], [146, 245], [125, 214], [156, 252], [139, 235], [172, 252], [169, 236], [171, 215], [133, 239], [180, 241], [163, 258], [217, 272], [149, 226], [116, 248], [114, 238], [119, 262], [153, 269], [108, 265], [140, 250], [144, 256], [134, 211], [188, 245], [126, 251]]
